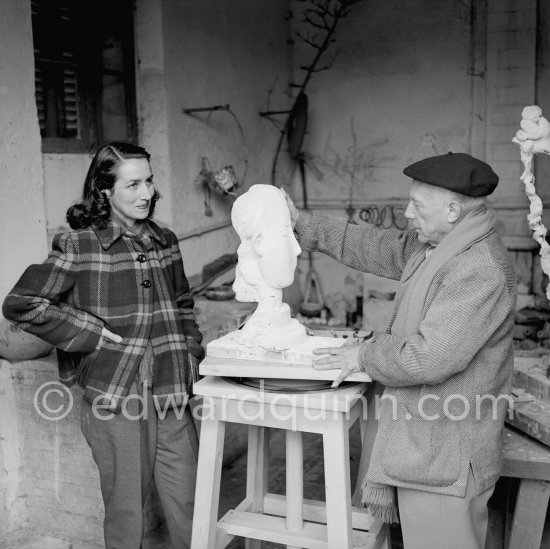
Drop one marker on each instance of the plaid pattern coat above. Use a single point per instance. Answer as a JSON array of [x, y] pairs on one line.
[[462, 352], [95, 278]]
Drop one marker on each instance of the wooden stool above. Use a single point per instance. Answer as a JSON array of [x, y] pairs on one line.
[[529, 461], [289, 519]]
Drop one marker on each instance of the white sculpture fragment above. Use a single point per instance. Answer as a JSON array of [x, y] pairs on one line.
[[532, 138], [267, 259]]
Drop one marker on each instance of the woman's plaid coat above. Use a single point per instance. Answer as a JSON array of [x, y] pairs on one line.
[[95, 278]]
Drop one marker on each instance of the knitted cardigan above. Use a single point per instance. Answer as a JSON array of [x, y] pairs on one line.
[[448, 384]]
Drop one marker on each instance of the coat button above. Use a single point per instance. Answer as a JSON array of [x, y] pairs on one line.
[[146, 283], [141, 258]]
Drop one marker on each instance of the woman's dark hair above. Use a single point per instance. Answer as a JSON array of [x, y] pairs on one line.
[[95, 208]]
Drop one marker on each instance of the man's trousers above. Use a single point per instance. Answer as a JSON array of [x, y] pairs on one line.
[[436, 521]]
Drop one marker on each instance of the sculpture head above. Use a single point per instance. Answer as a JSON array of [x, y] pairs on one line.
[[268, 251]]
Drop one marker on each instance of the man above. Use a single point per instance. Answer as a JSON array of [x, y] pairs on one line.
[[446, 357]]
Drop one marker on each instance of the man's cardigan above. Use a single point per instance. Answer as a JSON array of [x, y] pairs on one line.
[[460, 360], [95, 278]]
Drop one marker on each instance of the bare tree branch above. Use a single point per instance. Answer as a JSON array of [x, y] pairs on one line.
[[322, 16], [323, 26], [309, 41]]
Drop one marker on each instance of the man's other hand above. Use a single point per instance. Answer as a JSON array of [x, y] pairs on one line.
[[345, 357]]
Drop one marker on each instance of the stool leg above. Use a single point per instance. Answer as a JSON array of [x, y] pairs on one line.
[[207, 492], [529, 514], [257, 473], [337, 484], [294, 482]]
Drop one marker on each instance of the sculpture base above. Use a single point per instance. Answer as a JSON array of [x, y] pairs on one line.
[[302, 353], [276, 385], [226, 358]]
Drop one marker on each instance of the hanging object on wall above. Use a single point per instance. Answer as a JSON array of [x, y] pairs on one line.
[[222, 181], [532, 138], [317, 30], [429, 140], [385, 216], [296, 126]]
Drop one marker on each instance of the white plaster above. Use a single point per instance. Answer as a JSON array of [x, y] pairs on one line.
[[533, 138], [300, 352], [267, 259]]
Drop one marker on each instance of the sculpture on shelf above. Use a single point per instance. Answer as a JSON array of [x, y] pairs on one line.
[[267, 259], [532, 138]]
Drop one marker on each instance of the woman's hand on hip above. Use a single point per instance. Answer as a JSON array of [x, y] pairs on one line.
[[108, 335]]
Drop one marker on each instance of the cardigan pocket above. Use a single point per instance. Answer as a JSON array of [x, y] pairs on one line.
[[421, 451]]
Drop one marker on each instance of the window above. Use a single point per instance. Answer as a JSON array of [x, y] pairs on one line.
[[84, 73]]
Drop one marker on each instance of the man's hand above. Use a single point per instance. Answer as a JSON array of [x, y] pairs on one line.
[[345, 357], [106, 334], [294, 212]]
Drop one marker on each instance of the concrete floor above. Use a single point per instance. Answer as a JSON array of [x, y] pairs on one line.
[[233, 490], [234, 478]]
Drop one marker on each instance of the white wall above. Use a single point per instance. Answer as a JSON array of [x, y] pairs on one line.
[[64, 177], [403, 71], [22, 215], [218, 53]]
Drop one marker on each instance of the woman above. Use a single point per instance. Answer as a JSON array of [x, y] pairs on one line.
[[112, 296]]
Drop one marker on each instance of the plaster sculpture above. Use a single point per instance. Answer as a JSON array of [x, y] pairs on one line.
[[532, 138], [267, 259]]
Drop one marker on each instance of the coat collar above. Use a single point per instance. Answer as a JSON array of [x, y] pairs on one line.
[[109, 234]]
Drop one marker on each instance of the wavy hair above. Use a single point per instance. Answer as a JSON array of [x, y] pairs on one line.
[[94, 209]]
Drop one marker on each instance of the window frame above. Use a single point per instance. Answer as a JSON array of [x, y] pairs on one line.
[[89, 78]]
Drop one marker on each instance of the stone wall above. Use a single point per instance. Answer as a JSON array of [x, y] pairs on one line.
[[53, 484]]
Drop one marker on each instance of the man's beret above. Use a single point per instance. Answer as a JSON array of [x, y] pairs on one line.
[[458, 172]]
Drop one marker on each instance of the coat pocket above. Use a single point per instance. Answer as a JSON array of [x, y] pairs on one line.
[[420, 451], [85, 366]]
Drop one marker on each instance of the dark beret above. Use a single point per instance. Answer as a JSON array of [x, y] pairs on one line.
[[458, 172]]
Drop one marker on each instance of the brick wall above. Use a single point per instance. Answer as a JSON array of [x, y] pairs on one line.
[[55, 483], [510, 86]]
